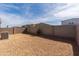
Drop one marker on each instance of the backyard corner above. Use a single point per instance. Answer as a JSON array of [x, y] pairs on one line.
[[25, 44]]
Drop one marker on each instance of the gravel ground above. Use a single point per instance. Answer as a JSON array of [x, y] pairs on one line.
[[24, 45]]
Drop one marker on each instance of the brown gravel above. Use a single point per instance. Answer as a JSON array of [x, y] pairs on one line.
[[24, 44]]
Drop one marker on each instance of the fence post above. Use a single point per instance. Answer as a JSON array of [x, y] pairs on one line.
[[13, 30]]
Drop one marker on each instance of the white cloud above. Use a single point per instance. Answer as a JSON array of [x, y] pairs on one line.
[[69, 12], [17, 20], [11, 20], [49, 15], [59, 12]]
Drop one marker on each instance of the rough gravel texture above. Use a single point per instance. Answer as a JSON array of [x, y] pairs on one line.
[[24, 44]]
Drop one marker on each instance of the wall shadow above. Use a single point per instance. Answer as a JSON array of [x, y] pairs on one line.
[[71, 41]]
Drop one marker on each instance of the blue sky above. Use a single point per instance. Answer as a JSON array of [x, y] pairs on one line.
[[18, 14]]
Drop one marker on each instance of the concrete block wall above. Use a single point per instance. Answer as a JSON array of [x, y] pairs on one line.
[[65, 31], [62, 31], [12, 30], [32, 29], [18, 30], [46, 29], [77, 34], [9, 30]]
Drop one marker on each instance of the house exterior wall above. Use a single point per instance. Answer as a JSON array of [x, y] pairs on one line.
[[74, 21]]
